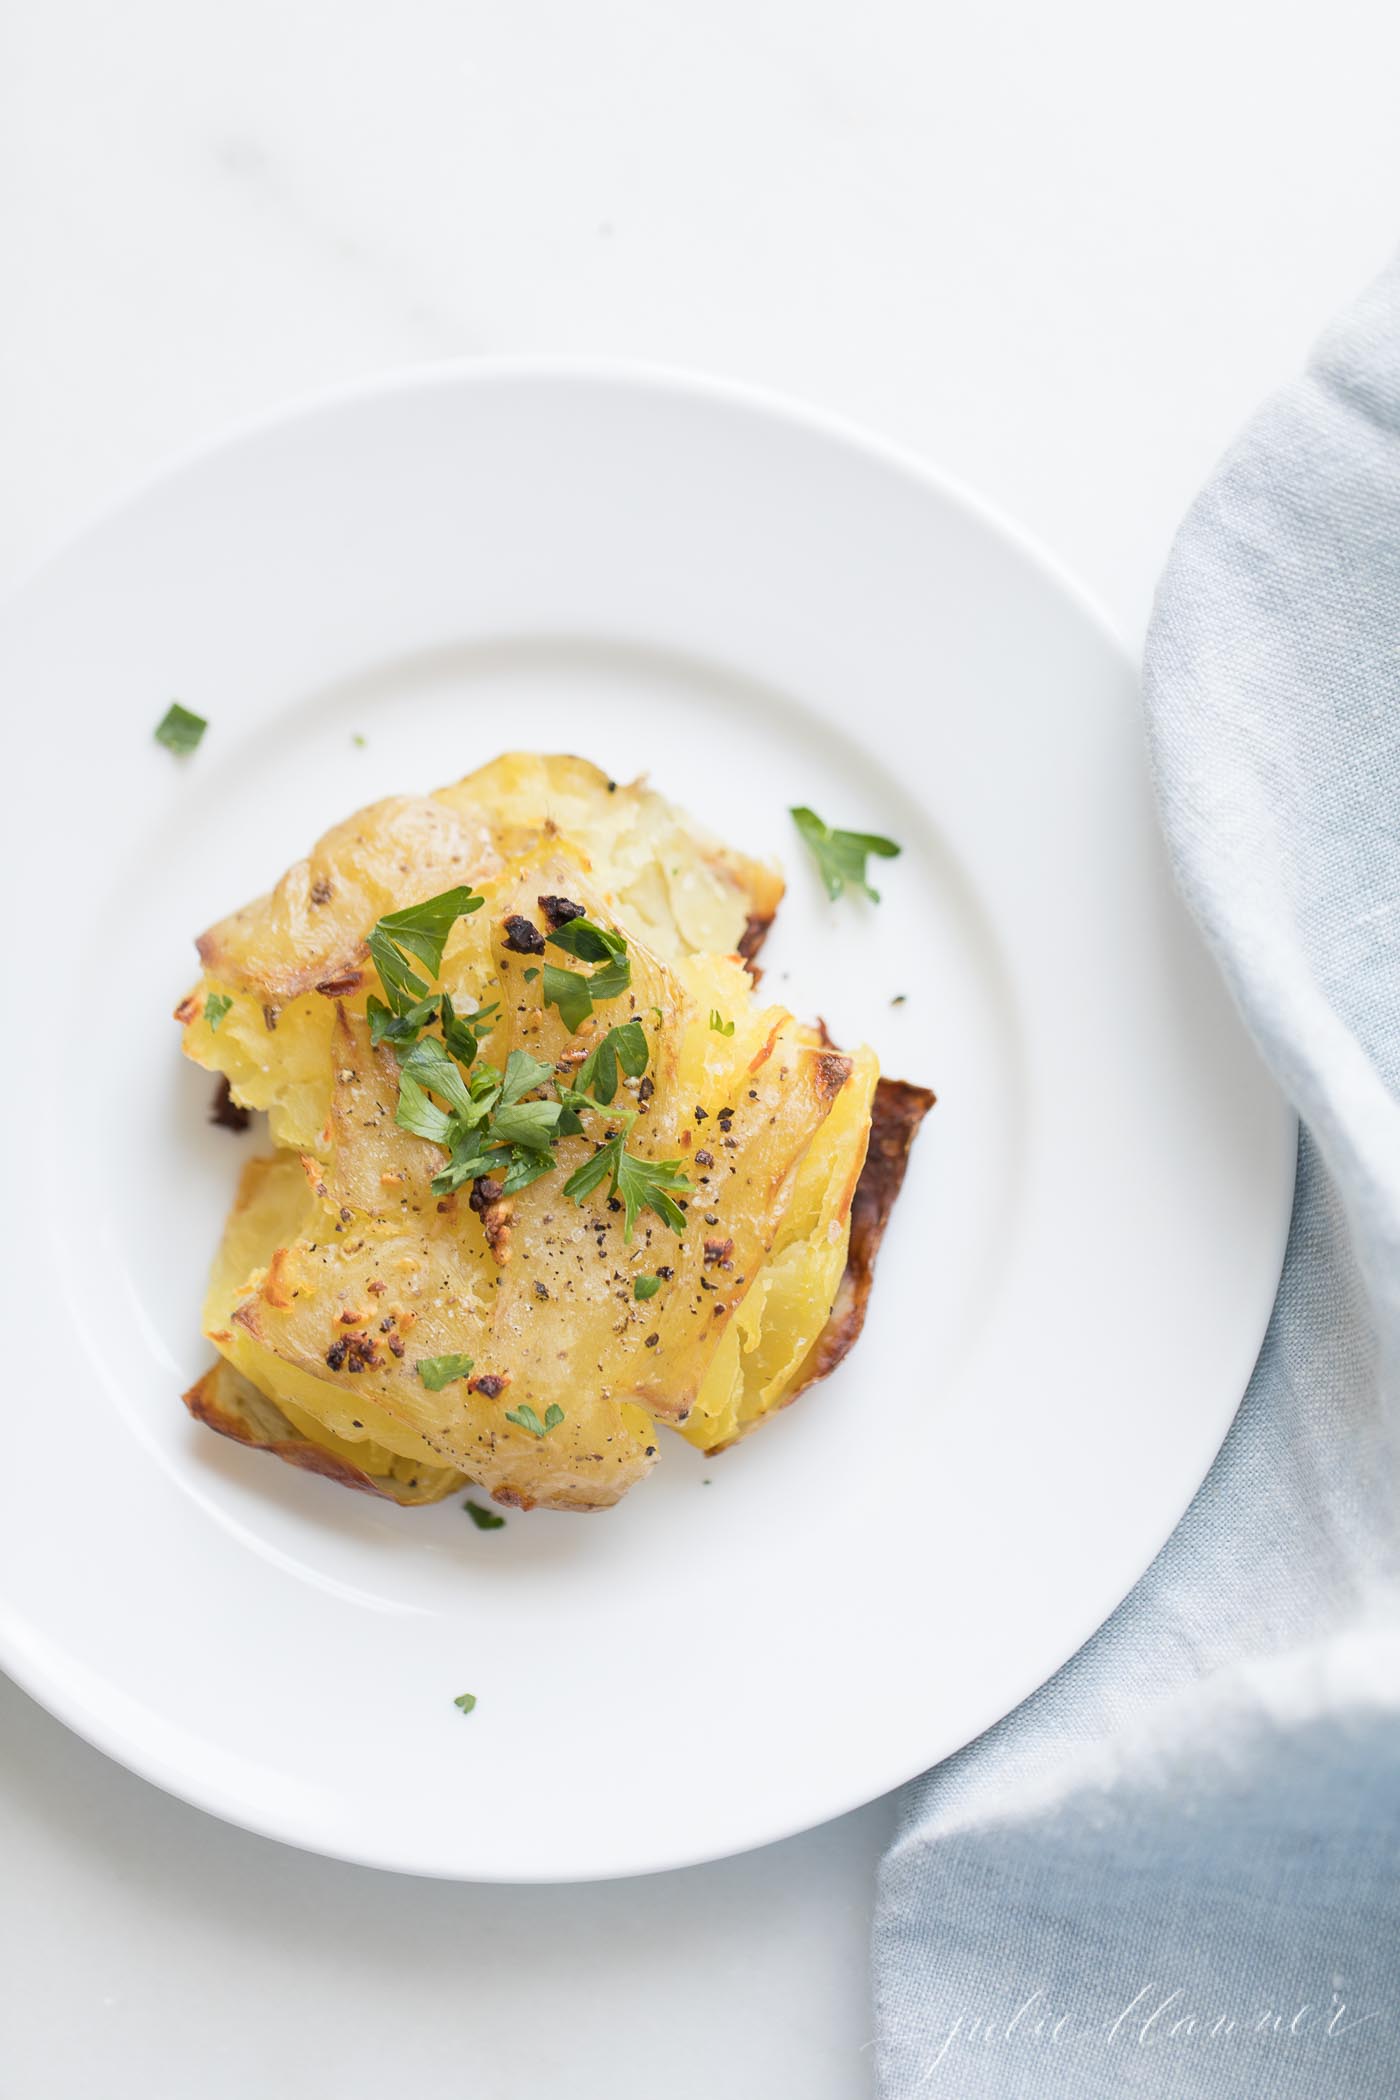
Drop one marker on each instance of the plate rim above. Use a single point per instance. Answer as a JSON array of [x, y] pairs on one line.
[[49, 1687]]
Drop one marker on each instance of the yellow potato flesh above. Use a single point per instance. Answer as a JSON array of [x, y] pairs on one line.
[[342, 1240], [275, 1205]]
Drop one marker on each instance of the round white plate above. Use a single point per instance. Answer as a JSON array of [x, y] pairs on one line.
[[759, 610]]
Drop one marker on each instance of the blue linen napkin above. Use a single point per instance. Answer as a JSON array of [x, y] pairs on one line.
[[1176, 1869]]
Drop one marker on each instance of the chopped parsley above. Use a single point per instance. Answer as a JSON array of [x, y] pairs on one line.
[[522, 1074], [465, 1033], [525, 1417], [215, 1007], [466, 1701], [641, 1184], [438, 1371], [645, 1286], [491, 1128], [180, 730], [719, 1024], [626, 1047], [532, 1124], [507, 1123], [421, 932], [611, 981], [589, 942], [431, 1064], [645, 1184], [484, 1520], [841, 855], [386, 1026], [570, 991]]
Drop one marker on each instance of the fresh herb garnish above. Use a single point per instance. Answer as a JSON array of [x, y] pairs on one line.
[[522, 1075], [465, 1033], [719, 1024], [466, 1701], [386, 1026], [645, 1286], [569, 990], [611, 981], [438, 1371], [625, 1046], [421, 932], [430, 1064], [641, 1184], [180, 730], [587, 941], [359, 741], [841, 855], [215, 1007], [525, 1417], [533, 1124], [420, 1116], [501, 1123], [526, 1167], [645, 1184], [484, 1520]]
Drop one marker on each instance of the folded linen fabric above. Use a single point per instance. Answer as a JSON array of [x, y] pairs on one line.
[[1176, 1869]]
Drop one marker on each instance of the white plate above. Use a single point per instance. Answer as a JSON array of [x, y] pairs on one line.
[[760, 610]]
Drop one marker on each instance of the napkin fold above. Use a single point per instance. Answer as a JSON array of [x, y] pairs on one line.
[[1175, 1871]]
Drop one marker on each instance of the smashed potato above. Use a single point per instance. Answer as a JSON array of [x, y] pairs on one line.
[[547, 1177]]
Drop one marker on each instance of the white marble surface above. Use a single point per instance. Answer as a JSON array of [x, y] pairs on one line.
[[1061, 251]]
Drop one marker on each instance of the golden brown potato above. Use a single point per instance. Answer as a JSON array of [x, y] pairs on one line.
[[347, 1280]]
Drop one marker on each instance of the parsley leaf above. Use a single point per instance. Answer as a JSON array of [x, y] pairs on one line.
[[841, 855], [611, 981], [429, 1064], [645, 1286], [568, 990], [642, 1184], [574, 994], [179, 730], [416, 1113], [484, 1520], [419, 931], [595, 1170], [438, 1371], [645, 1184], [215, 1007], [525, 1417], [386, 1026], [625, 1046], [525, 1167], [464, 1033], [719, 1024], [532, 1124], [472, 1156], [466, 1700], [589, 942], [522, 1074]]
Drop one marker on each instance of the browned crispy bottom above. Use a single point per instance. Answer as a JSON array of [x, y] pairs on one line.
[[223, 1399], [895, 1115]]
